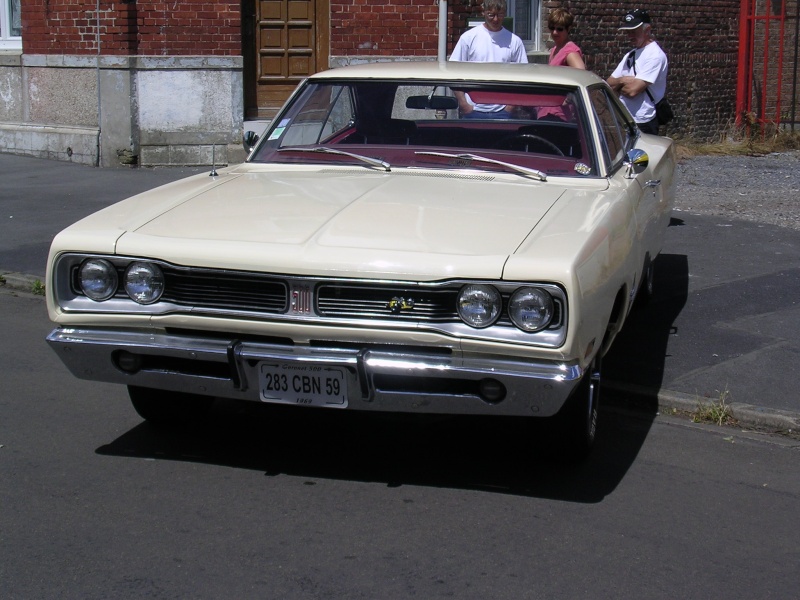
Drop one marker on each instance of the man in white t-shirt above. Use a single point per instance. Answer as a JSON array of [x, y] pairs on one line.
[[640, 79], [488, 42]]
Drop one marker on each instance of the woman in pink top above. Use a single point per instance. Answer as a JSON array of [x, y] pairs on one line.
[[565, 53]]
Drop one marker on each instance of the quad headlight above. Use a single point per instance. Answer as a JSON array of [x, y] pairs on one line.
[[530, 309], [144, 282], [98, 279], [479, 305]]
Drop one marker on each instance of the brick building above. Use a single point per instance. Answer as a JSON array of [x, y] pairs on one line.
[[170, 82]]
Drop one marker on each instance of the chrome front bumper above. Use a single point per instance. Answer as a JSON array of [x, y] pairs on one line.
[[395, 380]]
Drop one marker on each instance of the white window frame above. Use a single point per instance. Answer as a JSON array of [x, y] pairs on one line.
[[535, 25], [8, 41]]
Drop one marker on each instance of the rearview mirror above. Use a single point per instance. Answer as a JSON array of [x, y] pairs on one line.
[[432, 102]]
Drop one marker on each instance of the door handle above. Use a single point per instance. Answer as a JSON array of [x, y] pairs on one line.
[[653, 183]]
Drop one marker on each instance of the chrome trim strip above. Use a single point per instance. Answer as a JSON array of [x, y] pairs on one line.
[[533, 387]]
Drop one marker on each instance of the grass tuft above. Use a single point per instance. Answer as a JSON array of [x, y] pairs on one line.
[[717, 411], [37, 288]]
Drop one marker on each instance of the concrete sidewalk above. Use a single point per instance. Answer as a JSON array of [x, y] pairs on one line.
[[724, 323]]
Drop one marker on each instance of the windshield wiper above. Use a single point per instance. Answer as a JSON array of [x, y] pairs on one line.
[[470, 158], [374, 162]]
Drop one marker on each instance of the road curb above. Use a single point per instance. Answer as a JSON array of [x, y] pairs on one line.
[[747, 415], [19, 281]]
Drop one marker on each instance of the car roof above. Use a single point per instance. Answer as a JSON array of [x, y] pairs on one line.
[[463, 71]]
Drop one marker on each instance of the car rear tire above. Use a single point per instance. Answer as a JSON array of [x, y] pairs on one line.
[[168, 409], [577, 420]]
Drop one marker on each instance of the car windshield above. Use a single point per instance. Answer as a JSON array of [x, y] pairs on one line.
[[528, 129]]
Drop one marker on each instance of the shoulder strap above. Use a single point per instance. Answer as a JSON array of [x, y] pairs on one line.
[[632, 56]]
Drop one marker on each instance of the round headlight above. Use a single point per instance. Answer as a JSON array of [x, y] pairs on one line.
[[98, 279], [530, 309], [479, 305], [144, 282]]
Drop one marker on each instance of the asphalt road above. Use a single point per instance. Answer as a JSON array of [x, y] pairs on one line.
[[94, 503], [254, 503]]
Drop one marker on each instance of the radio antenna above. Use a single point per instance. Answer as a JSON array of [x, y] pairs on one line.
[[213, 161]]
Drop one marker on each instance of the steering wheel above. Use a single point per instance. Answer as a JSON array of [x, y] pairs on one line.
[[525, 140]]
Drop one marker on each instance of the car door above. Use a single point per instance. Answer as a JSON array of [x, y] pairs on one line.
[[641, 192]]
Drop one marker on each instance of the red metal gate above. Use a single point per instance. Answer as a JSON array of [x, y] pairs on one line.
[[767, 86]]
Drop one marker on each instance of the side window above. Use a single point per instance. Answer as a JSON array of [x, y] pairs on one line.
[[615, 136]]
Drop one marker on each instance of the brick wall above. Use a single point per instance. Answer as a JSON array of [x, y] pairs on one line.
[[384, 28], [395, 27], [701, 41], [132, 27]]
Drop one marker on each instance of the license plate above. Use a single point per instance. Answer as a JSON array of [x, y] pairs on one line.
[[311, 385]]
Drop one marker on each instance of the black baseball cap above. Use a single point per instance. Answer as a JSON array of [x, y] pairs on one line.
[[635, 18]]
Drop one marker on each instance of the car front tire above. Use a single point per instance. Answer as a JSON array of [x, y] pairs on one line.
[[577, 420], [647, 286], [168, 409]]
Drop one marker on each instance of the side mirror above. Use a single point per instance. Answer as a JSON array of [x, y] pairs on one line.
[[249, 141], [636, 161]]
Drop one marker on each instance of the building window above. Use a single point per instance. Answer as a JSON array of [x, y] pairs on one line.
[[526, 15], [10, 25]]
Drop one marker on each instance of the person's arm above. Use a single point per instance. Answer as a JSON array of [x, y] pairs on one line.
[[575, 61], [464, 107], [628, 85], [615, 83], [519, 55]]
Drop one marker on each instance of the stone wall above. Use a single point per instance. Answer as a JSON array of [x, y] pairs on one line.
[[126, 82], [121, 110]]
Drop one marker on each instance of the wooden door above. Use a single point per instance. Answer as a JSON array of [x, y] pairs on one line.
[[285, 41]]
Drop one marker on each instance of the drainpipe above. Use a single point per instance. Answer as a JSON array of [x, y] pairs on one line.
[[99, 94], [442, 30]]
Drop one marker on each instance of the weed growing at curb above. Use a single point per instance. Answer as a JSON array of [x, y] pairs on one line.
[[740, 142], [717, 411], [37, 288]]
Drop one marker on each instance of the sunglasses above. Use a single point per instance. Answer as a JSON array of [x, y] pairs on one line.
[[557, 28]]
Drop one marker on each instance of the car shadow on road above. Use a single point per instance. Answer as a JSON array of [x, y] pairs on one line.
[[497, 455], [637, 359]]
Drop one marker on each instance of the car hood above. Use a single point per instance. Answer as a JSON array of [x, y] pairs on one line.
[[353, 223]]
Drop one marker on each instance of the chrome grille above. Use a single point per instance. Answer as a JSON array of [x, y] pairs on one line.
[[400, 303], [225, 290]]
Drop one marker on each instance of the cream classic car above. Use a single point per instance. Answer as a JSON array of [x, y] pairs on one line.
[[380, 250]]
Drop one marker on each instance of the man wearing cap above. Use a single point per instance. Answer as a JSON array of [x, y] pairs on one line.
[[640, 79]]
